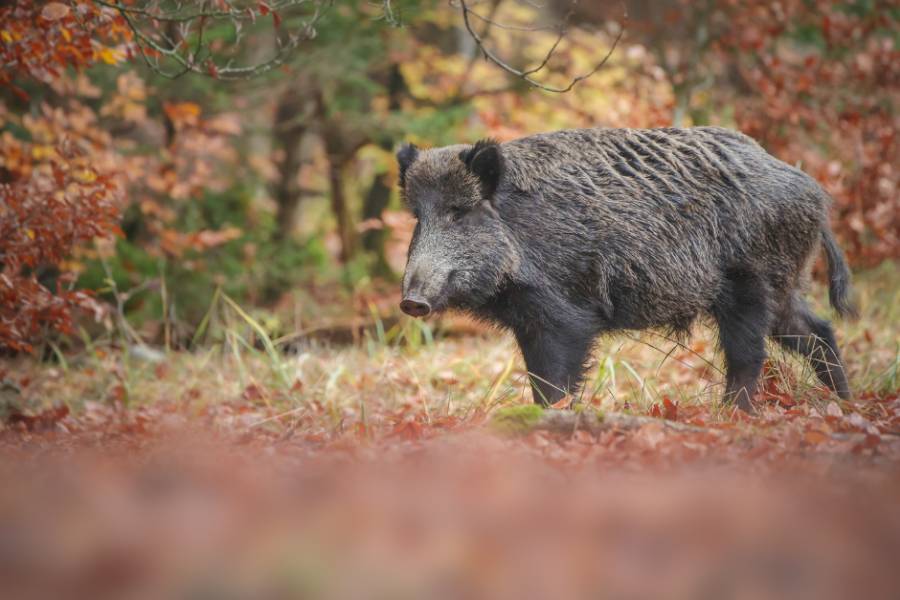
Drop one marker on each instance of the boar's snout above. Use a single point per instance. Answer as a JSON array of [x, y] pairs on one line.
[[415, 307], [425, 286]]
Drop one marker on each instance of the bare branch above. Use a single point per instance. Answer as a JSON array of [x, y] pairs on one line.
[[176, 17], [173, 54], [492, 23], [526, 74]]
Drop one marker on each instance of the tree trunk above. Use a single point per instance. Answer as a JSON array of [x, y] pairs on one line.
[[288, 133], [287, 189], [346, 230], [373, 240], [379, 194]]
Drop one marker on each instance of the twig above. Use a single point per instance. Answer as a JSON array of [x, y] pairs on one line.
[[194, 60], [525, 74]]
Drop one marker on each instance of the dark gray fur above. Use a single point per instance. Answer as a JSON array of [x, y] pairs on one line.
[[562, 236]]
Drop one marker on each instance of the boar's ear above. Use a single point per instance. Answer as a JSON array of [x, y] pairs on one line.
[[406, 156], [485, 161]]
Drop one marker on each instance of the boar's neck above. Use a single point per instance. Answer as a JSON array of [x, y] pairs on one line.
[[524, 306]]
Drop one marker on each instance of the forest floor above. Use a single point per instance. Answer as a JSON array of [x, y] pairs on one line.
[[403, 465]]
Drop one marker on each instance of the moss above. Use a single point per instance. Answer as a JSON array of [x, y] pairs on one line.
[[517, 419]]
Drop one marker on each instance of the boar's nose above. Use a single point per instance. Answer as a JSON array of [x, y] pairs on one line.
[[415, 307]]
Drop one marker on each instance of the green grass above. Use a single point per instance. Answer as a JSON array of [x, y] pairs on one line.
[[405, 367]]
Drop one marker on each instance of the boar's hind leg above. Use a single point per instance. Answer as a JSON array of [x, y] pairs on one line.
[[742, 315], [802, 332], [554, 357]]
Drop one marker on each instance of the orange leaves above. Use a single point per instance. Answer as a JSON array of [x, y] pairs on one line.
[[668, 411], [108, 55], [58, 191], [44, 421], [177, 243], [838, 101], [182, 114], [816, 436], [40, 42]]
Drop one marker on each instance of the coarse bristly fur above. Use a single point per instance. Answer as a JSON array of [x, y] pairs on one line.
[[562, 236]]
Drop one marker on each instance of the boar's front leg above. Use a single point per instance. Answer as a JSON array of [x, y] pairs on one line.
[[742, 314], [555, 357]]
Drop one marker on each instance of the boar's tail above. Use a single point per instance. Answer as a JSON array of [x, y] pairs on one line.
[[838, 276]]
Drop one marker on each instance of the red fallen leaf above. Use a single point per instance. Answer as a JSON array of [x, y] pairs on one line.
[[758, 450], [655, 411], [407, 430], [870, 442], [43, 421], [671, 409], [448, 422], [161, 370], [360, 431], [252, 393], [117, 393], [563, 403], [815, 437], [263, 8]]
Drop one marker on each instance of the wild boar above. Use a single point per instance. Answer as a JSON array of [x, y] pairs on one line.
[[562, 236]]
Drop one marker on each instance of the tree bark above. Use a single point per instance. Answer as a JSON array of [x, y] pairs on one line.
[[345, 228], [373, 240], [288, 132], [379, 194]]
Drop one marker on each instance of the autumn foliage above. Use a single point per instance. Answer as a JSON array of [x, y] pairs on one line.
[[58, 188], [213, 181], [830, 107]]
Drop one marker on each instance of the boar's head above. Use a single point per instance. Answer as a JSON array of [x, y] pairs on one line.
[[461, 251]]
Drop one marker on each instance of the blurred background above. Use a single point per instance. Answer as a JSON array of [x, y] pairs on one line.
[[248, 146]]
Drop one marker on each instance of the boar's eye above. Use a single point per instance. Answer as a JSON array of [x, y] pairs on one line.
[[458, 212]]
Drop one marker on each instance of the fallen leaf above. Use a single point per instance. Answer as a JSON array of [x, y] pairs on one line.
[[563, 403], [815, 437], [43, 421], [857, 420], [650, 435], [670, 411]]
